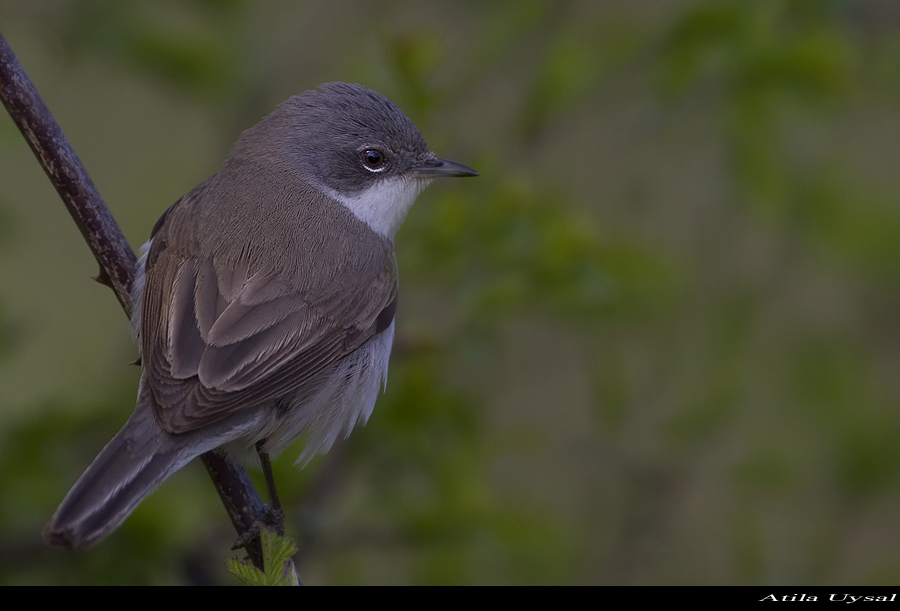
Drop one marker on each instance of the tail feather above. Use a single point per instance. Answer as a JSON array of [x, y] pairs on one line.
[[131, 466], [128, 469]]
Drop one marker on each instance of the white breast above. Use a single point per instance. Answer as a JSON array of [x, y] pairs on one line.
[[384, 206]]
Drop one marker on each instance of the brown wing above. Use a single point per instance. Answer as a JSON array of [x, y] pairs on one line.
[[232, 328]]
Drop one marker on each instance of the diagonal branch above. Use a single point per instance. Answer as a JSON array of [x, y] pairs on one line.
[[68, 176], [116, 259]]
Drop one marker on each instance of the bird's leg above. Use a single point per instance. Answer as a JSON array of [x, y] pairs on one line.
[[275, 515]]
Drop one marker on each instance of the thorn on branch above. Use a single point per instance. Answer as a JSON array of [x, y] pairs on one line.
[[103, 278]]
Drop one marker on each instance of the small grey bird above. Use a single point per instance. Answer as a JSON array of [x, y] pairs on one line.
[[265, 299]]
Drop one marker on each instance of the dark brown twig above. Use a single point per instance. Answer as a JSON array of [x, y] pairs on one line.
[[245, 509], [116, 259], [68, 176]]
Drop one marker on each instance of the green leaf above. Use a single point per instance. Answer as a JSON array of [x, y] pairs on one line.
[[277, 552]]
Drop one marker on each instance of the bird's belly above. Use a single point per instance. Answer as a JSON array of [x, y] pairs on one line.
[[329, 404]]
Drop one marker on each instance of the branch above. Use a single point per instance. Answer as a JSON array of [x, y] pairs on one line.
[[116, 259]]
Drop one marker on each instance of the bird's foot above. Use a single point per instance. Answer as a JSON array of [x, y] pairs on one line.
[[271, 518]]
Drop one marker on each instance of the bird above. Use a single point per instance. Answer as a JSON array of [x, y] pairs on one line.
[[264, 300]]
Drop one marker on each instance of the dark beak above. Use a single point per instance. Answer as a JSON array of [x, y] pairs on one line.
[[436, 168]]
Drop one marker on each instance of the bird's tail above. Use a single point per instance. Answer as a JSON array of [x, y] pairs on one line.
[[129, 468]]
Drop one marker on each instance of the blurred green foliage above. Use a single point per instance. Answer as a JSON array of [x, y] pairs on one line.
[[656, 342]]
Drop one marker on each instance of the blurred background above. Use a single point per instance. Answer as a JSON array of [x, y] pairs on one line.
[[656, 342]]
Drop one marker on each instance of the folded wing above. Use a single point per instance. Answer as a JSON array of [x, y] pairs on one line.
[[226, 330]]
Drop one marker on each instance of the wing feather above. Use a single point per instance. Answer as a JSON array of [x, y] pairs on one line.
[[223, 330]]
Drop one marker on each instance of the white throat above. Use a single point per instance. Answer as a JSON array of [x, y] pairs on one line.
[[383, 206]]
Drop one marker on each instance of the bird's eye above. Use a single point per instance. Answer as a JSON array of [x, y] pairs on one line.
[[373, 159]]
